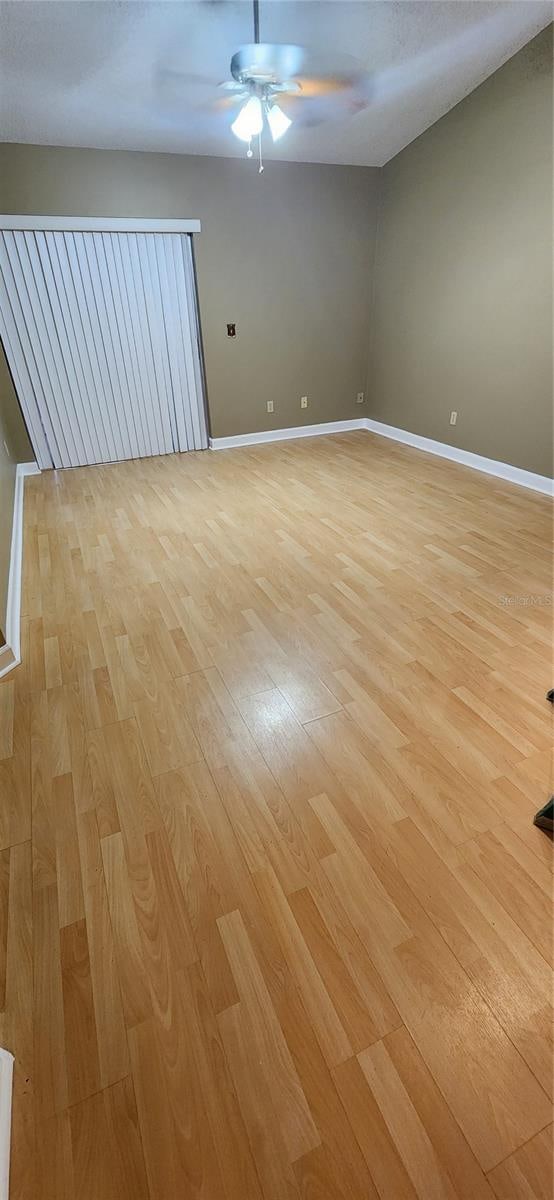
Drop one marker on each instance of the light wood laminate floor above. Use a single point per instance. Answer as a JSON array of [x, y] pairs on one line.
[[275, 922]]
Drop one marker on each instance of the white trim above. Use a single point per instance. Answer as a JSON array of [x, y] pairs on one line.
[[6, 1081], [101, 224], [12, 631], [281, 435], [490, 466]]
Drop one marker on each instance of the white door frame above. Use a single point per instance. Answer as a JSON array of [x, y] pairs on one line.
[[52, 224]]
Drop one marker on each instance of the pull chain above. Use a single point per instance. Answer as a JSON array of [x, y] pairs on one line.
[[261, 166]]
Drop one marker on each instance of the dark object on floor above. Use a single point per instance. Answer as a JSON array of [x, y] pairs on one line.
[[550, 695], [545, 816]]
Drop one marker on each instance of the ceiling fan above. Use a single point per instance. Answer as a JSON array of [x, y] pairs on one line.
[[266, 76]]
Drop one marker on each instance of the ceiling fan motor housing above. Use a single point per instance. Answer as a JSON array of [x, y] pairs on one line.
[[266, 63]]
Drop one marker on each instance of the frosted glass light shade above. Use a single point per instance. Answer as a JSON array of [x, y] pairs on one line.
[[249, 121]]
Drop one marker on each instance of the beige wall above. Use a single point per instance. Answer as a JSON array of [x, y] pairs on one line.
[[10, 414], [8, 459], [288, 256], [463, 312]]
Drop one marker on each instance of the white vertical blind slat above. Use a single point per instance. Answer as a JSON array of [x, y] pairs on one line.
[[113, 372], [193, 331], [64, 349], [33, 281], [122, 304], [108, 393], [141, 345], [172, 323], [173, 250], [187, 305], [19, 353], [119, 346], [37, 350], [80, 336], [152, 397], [156, 308]]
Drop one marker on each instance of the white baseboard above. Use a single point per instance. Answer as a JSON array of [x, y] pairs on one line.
[[6, 1081], [282, 435], [490, 466], [13, 608]]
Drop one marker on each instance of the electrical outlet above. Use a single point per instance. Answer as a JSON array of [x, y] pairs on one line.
[[270, 406], [360, 398], [453, 418], [303, 402]]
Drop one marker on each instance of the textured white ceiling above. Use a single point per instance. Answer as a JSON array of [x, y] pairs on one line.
[[109, 74]]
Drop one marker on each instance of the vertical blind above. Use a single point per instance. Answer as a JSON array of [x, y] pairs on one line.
[[101, 333]]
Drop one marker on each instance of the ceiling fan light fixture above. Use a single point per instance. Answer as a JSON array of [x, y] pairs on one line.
[[277, 120], [249, 121]]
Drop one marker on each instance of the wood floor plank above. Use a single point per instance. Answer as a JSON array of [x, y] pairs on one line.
[[181, 948], [107, 1152], [4, 918], [15, 780], [126, 766], [529, 1173], [341, 987], [327, 1025], [7, 704], [433, 1150], [383, 1014], [43, 824], [229, 1135], [50, 1067], [297, 1127], [168, 738], [389, 1175], [113, 1055], [137, 1003], [197, 875], [81, 1042], [527, 902], [54, 1158], [259, 1115], [178, 1149], [374, 906], [334, 1128], [68, 865], [274, 921]]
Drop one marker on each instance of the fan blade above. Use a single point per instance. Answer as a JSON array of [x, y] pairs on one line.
[[288, 85], [231, 85], [328, 96], [169, 75], [337, 76], [197, 92], [225, 103], [326, 107], [311, 87]]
